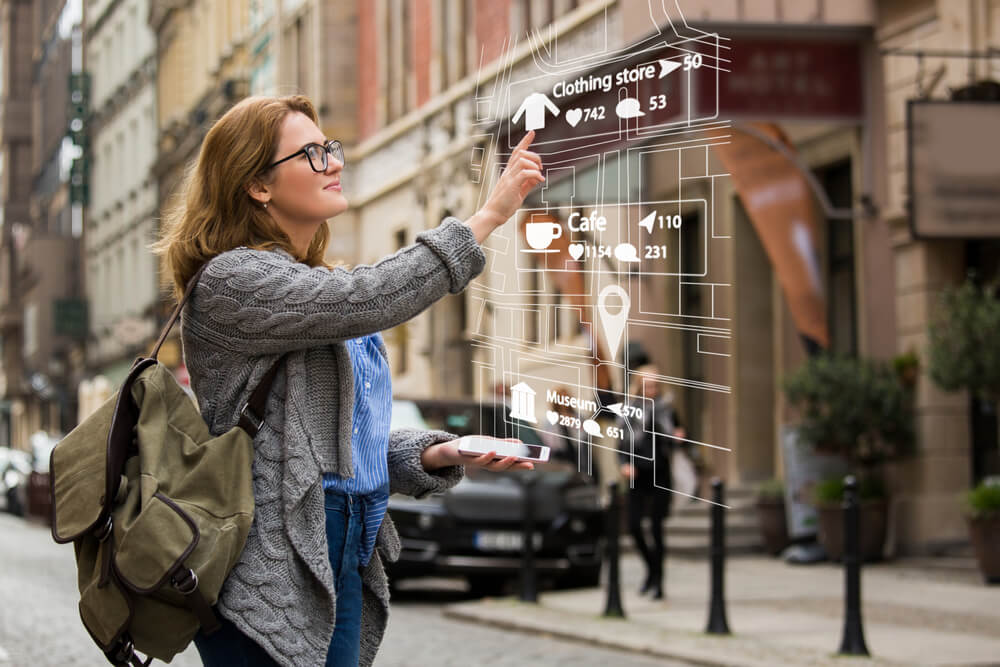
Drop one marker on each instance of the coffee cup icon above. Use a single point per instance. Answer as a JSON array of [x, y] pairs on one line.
[[541, 234]]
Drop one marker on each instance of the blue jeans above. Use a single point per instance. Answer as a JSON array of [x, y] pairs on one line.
[[344, 522]]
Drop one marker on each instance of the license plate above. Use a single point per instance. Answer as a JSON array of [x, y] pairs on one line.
[[503, 540]]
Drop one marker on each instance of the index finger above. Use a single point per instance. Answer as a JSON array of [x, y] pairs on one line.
[[525, 141]]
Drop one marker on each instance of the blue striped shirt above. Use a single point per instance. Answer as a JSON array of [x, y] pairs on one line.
[[370, 437]]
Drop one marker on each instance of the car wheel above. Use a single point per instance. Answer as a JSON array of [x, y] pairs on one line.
[[14, 504], [483, 585]]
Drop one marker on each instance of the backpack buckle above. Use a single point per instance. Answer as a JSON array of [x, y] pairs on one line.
[[104, 531], [185, 582], [123, 651], [252, 420]]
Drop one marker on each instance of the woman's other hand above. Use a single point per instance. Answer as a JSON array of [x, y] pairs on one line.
[[522, 173], [446, 454]]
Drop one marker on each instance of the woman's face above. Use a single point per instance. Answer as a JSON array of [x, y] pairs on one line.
[[299, 195]]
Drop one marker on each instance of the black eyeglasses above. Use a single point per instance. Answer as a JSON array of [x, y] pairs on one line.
[[317, 154]]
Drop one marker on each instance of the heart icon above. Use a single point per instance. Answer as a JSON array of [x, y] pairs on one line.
[[576, 250], [573, 116], [552, 416]]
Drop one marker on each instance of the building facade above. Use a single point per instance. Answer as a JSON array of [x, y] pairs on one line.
[[45, 302], [17, 44], [123, 199]]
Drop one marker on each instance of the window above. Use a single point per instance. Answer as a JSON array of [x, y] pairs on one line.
[[399, 336], [260, 13], [842, 305], [136, 151], [304, 56], [453, 35], [397, 48], [133, 34], [30, 330], [262, 77]]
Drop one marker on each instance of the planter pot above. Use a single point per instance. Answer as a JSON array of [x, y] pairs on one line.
[[773, 526], [984, 533], [872, 529]]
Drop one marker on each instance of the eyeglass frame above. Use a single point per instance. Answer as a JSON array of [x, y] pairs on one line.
[[327, 150]]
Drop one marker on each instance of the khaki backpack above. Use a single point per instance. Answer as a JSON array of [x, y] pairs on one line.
[[158, 510]]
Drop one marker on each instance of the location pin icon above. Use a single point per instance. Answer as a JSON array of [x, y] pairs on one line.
[[613, 324]]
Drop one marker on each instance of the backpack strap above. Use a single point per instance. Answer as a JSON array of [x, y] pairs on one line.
[[252, 412], [177, 311]]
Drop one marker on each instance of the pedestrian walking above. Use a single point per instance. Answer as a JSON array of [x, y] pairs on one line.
[[647, 466], [309, 587]]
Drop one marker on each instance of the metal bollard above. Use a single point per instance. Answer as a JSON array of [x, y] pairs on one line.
[[613, 606], [853, 640], [529, 579], [717, 624]]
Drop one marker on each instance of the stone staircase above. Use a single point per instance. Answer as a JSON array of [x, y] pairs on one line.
[[687, 532]]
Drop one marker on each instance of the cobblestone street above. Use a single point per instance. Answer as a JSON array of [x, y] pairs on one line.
[[39, 625]]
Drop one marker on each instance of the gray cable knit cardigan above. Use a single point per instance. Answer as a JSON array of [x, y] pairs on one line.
[[251, 306]]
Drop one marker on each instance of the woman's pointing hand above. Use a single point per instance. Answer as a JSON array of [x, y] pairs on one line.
[[522, 174]]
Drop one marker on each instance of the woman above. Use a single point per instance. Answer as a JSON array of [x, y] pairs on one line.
[[648, 468], [309, 587]]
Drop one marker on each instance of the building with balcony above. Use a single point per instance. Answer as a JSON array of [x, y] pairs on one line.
[[122, 275]]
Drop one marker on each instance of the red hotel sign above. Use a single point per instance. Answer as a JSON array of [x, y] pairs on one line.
[[774, 79]]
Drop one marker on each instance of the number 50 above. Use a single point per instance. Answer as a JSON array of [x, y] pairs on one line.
[[692, 62]]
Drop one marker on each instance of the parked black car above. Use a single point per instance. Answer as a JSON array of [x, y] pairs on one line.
[[475, 529]]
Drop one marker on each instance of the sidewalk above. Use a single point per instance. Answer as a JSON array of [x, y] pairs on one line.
[[779, 614]]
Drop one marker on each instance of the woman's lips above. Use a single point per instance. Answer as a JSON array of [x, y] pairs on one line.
[[333, 186]]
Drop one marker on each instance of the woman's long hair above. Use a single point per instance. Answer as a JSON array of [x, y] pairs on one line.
[[212, 211]]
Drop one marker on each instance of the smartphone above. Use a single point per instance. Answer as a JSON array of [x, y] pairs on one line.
[[477, 445]]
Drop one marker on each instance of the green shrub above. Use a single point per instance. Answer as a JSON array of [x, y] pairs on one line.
[[907, 367], [963, 351], [772, 489], [857, 408], [984, 500], [831, 490]]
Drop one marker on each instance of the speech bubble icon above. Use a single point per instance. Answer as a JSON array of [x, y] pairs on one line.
[[592, 428], [625, 252], [629, 108]]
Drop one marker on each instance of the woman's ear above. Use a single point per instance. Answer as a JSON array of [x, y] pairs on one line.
[[258, 191]]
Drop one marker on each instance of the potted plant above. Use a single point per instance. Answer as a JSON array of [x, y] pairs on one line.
[[873, 523], [983, 513], [771, 516], [963, 351], [963, 354], [862, 410]]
